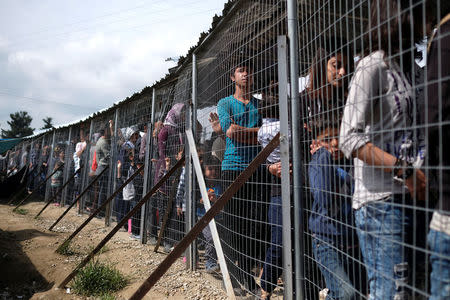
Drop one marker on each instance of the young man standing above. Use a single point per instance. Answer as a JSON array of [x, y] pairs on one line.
[[245, 215]]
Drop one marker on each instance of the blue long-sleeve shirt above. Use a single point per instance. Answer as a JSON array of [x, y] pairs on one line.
[[331, 212]]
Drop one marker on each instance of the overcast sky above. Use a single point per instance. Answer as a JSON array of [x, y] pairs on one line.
[[67, 59]]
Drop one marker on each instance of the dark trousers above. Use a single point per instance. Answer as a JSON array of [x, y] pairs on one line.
[[153, 218], [244, 228], [123, 207], [102, 188], [31, 178], [273, 266], [56, 194]]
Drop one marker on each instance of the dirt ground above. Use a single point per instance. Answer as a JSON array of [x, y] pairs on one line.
[[31, 269]]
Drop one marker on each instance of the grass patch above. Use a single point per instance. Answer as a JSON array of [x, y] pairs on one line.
[[21, 211], [107, 297], [104, 249], [99, 279], [65, 249]]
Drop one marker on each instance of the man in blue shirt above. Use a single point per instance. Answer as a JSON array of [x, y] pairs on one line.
[[240, 121], [244, 225]]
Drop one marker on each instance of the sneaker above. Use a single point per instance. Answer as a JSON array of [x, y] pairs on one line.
[[211, 267], [167, 248], [135, 237], [56, 204]]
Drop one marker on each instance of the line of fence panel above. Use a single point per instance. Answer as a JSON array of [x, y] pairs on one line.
[[367, 129]]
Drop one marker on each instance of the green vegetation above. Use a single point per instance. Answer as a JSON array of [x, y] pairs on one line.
[[21, 211], [65, 249], [99, 279], [104, 249], [48, 123], [20, 125], [107, 296]]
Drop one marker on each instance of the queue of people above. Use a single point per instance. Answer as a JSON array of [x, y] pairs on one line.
[[375, 162]]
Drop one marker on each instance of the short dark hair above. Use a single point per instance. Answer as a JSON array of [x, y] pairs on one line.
[[211, 161], [241, 58], [268, 105]]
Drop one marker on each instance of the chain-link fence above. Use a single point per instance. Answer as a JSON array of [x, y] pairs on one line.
[[342, 209]]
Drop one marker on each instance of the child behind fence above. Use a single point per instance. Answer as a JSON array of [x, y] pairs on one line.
[[138, 183], [214, 189], [56, 182], [128, 192]]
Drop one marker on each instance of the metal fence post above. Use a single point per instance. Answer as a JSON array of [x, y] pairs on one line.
[[50, 166], [285, 177], [145, 210], [292, 12], [189, 171], [85, 172], [66, 171], [20, 156], [112, 170]]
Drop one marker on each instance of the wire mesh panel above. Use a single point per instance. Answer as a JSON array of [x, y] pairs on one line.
[[130, 146], [76, 156], [57, 165], [85, 149], [37, 165], [50, 151], [24, 154], [363, 149], [171, 103], [163, 100], [238, 110], [13, 164], [98, 157], [373, 144]]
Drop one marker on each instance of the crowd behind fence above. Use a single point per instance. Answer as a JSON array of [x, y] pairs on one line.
[[354, 202]]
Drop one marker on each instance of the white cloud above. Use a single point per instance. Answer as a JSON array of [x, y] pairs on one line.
[[91, 73]]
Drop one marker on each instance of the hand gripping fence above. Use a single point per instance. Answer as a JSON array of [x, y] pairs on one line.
[[79, 197], [58, 192], [99, 209], [122, 222], [204, 221], [37, 188]]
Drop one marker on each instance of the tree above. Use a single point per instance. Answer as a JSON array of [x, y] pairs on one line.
[[20, 125], [47, 123]]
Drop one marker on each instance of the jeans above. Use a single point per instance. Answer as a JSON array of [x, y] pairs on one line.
[[439, 244], [335, 267], [123, 207], [273, 265], [382, 229], [210, 251]]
